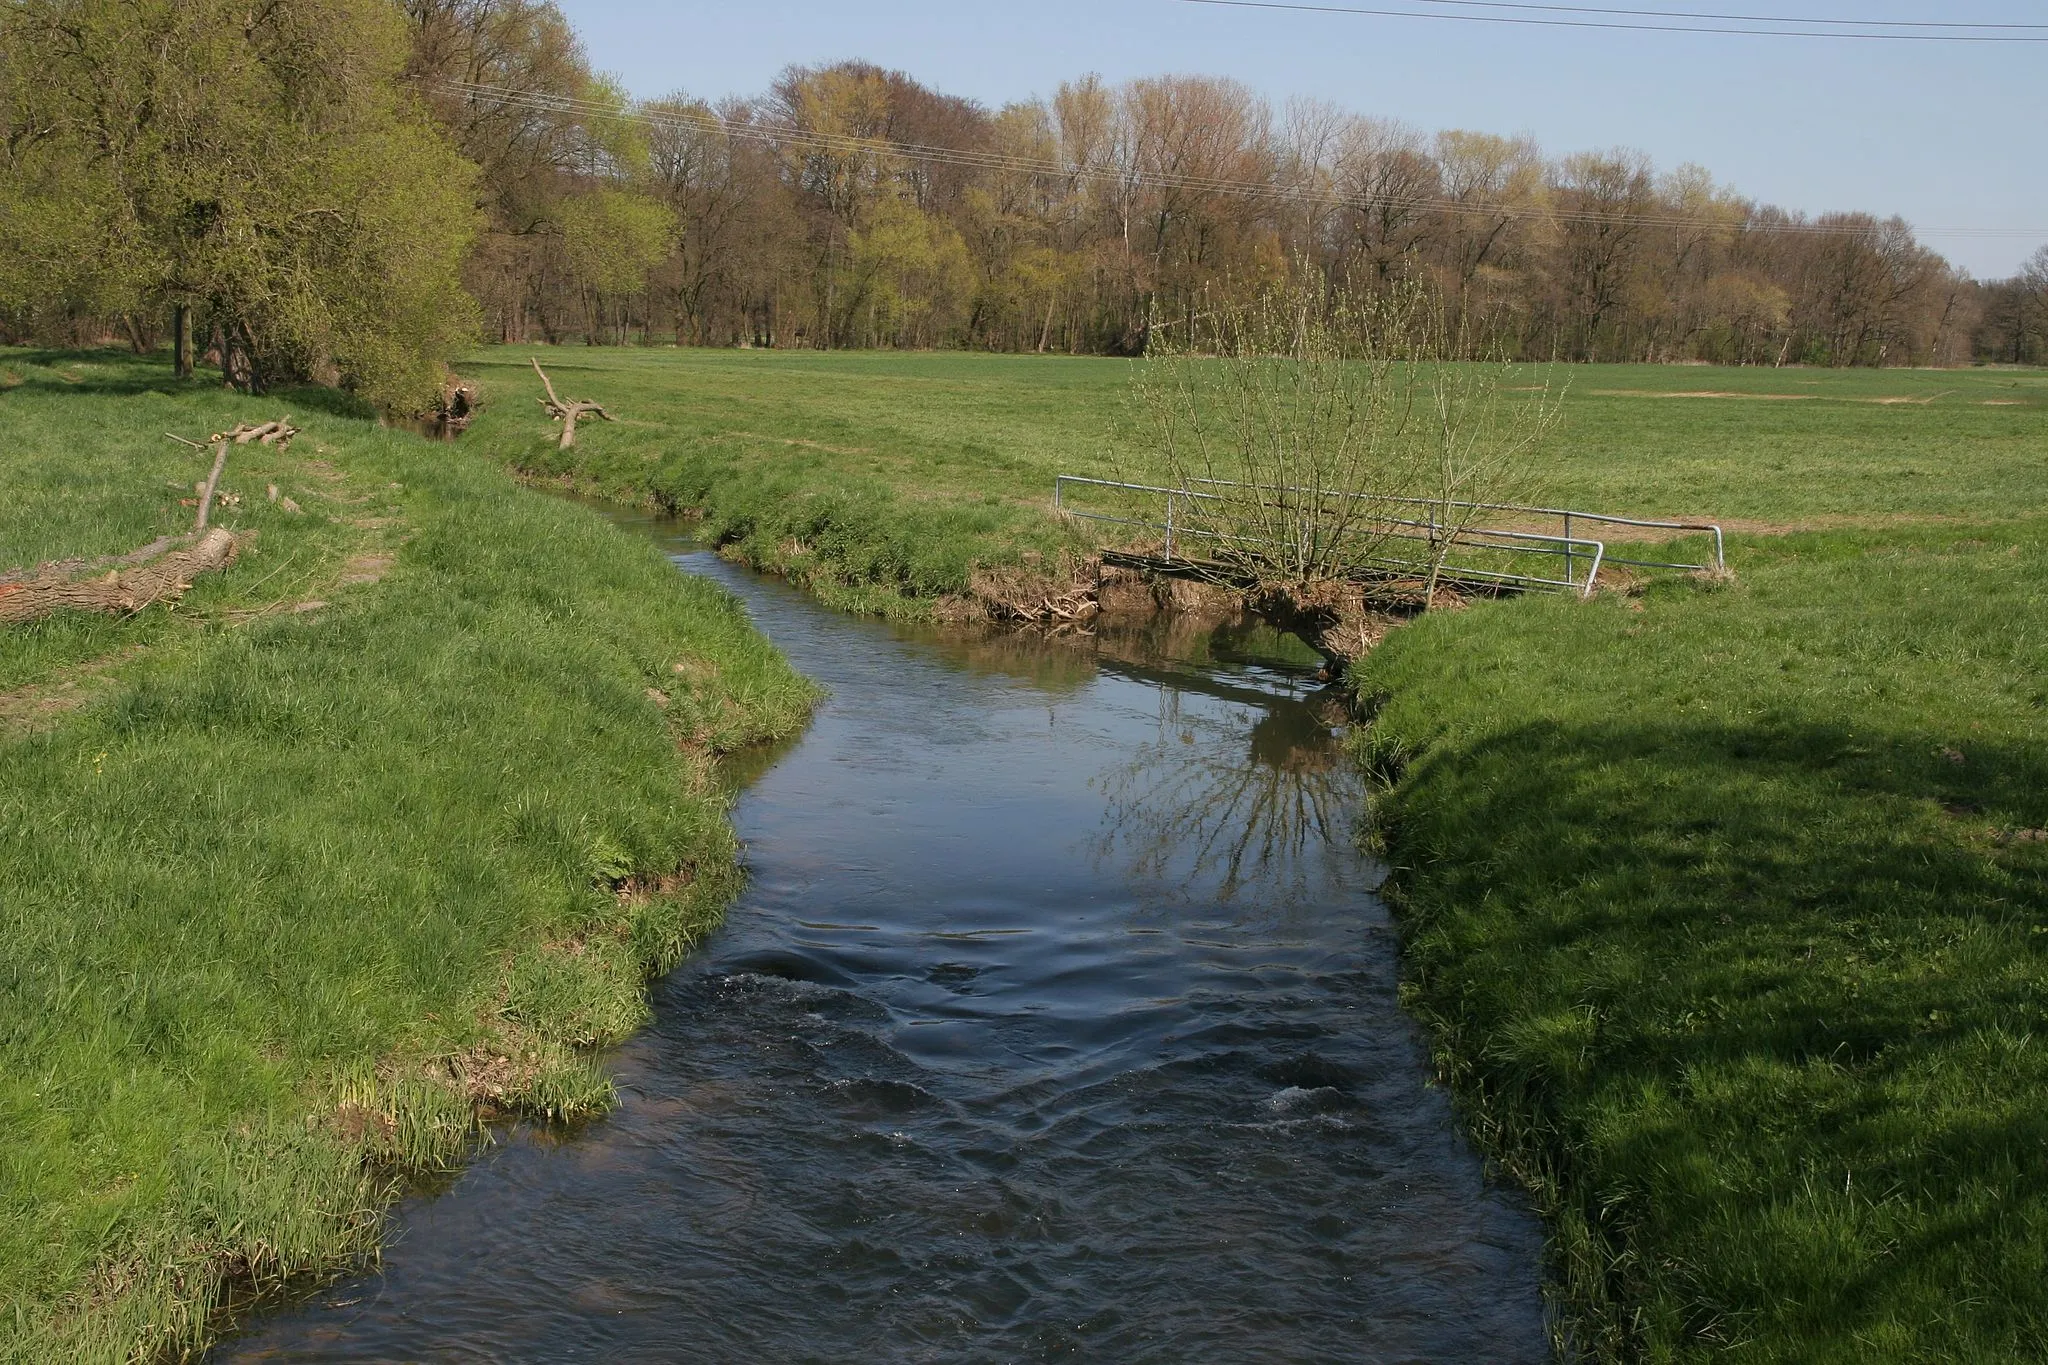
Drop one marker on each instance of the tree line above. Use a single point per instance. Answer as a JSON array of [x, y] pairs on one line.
[[344, 189]]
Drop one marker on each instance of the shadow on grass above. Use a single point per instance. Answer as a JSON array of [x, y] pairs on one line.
[[114, 372], [1760, 1005], [120, 373]]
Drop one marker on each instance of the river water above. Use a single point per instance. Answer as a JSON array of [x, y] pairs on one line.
[[1058, 1022]]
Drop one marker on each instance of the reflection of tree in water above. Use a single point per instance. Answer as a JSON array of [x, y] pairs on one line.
[[1198, 802]]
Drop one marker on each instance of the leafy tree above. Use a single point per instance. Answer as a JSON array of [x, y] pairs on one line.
[[613, 238], [260, 165]]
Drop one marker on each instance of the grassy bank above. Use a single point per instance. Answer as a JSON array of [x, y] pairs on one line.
[[888, 481], [1728, 907], [374, 832], [1729, 911]]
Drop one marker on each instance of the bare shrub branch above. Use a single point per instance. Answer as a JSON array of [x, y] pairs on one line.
[[1325, 432]]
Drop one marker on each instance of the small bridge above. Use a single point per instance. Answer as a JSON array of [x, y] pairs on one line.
[[1500, 558]]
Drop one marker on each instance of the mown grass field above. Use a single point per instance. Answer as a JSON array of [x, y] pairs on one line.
[[1727, 906], [377, 830], [966, 446]]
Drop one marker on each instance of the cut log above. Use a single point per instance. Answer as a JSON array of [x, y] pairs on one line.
[[566, 411], [278, 433], [121, 592], [72, 568], [161, 570]]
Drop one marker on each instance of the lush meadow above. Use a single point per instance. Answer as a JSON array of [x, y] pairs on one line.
[[979, 438], [373, 833], [1727, 904], [1729, 911]]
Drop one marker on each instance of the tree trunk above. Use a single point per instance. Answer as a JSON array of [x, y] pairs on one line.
[[238, 369], [181, 340], [118, 592]]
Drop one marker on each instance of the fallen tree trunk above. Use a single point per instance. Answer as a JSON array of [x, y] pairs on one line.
[[73, 568], [159, 571], [162, 579], [566, 411]]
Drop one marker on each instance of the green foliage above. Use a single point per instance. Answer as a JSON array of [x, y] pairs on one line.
[[262, 165], [322, 859], [614, 237], [905, 269]]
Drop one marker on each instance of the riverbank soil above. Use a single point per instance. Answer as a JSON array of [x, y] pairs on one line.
[[1727, 904], [366, 837]]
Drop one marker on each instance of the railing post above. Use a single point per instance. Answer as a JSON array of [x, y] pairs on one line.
[[1169, 524], [1568, 547]]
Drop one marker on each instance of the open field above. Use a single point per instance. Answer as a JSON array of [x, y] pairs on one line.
[[373, 833], [1728, 906], [979, 438]]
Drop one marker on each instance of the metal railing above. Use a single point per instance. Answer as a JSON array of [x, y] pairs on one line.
[[1565, 515], [1573, 549]]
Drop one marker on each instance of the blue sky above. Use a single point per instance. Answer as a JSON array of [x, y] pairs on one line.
[[1948, 135]]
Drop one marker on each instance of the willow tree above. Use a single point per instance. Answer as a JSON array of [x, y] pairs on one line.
[[1325, 435], [258, 168]]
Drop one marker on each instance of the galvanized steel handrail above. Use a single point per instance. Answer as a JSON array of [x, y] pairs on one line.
[[1569, 515], [1597, 549], [1526, 542]]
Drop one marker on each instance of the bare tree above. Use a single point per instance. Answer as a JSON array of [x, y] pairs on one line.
[[1390, 185], [1480, 424], [1287, 420]]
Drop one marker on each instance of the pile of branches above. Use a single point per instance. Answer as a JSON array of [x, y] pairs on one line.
[[160, 571]]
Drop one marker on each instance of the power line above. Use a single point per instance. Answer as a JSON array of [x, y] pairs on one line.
[[1731, 18], [1869, 30], [1130, 178]]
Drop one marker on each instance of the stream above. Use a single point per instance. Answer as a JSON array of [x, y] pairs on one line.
[[1057, 1022]]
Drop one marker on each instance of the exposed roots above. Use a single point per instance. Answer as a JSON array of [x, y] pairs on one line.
[[1067, 593], [1340, 619]]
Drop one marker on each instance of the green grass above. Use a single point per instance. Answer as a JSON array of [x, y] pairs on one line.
[[1721, 902], [904, 470], [304, 887], [1714, 903]]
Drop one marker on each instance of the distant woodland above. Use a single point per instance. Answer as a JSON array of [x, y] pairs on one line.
[[347, 189]]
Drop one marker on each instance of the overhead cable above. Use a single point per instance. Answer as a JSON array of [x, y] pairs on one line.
[[1867, 30], [1732, 18]]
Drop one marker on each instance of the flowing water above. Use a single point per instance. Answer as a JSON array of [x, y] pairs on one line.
[[1058, 1021]]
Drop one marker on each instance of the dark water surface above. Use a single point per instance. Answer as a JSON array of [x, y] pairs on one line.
[[1058, 1022]]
